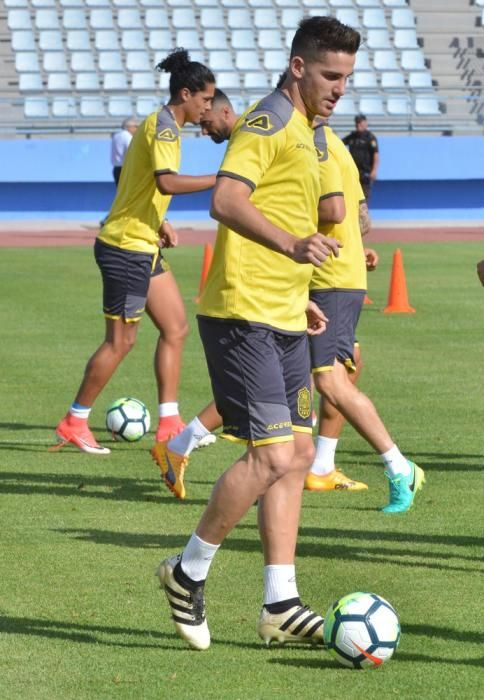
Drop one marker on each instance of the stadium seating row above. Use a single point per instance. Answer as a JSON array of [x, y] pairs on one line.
[[321, 4]]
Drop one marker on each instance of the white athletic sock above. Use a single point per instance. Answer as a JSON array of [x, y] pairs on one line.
[[188, 439], [396, 464], [197, 557], [324, 461], [279, 583], [80, 411], [168, 409]]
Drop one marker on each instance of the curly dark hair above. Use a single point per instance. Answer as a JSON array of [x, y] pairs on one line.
[[185, 73]]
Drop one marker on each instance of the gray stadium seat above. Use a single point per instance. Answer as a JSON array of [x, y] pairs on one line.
[[129, 18], [87, 82], [74, 19], [82, 62], [256, 81], [412, 60], [228, 80], [420, 80], [106, 40], [238, 17], [30, 82], [143, 81], [92, 106], [160, 39], [64, 107], [265, 18], [385, 60], [214, 39], [403, 18], [364, 80], [247, 60], [345, 106], [50, 40], [101, 19], [275, 60], [427, 105], [242, 39], [394, 80], [19, 19], [183, 18], [26, 62], [398, 105], [269, 39], [212, 18], [110, 61], [120, 106], [23, 40], [188, 38], [220, 60], [115, 81], [46, 19], [147, 105], [138, 62], [133, 40], [36, 107], [54, 62], [156, 18], [374, 18], [78, 40], [378, 39], [58, 82], [405, 39], [349, 16], [371, 104]]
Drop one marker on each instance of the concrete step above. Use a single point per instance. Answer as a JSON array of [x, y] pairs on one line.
[[446, 21]]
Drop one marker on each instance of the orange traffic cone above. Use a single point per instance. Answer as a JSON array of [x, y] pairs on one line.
[[397, 296], [207, 261], [367, 300]]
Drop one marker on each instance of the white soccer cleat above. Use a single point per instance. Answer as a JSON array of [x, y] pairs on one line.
[[298, 624], [187, 606]]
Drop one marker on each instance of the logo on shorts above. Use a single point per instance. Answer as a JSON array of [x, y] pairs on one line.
[[304, 402]]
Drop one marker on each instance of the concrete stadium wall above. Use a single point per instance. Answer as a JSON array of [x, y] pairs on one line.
[[420, 178]]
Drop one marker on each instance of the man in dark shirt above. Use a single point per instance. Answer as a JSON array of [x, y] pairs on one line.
[[363, 146]]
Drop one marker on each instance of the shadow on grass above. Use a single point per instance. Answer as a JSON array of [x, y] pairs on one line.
[[440, 461], [107, 488], [400, 657], [337, 552]]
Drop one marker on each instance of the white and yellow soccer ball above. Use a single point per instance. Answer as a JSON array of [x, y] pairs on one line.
[[361, 630], [127, 419]]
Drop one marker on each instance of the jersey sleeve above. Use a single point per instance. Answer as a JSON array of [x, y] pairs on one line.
[[330, 176], [252, 149], [165, 153]]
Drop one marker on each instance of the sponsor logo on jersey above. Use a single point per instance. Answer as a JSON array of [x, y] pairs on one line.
[[166, 135], [261, 121]]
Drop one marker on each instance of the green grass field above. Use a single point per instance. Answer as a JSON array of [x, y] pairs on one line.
[[80, 612]]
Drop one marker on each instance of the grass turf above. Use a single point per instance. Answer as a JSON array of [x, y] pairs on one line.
[[80, 612]]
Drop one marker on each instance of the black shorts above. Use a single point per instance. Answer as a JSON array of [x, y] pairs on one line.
[[260, 380], [342, 308], [126, 277]]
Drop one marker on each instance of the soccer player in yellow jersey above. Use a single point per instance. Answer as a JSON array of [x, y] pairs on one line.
[[127, 250], [338, 288], [253, 326]]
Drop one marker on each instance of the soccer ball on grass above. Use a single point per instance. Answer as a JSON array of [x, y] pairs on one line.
[[361, 630], [128, 419]]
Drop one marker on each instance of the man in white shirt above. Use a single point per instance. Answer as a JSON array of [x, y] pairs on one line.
[[119, 145]]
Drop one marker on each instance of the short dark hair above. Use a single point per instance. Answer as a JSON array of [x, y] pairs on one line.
[[219, 98], [320, 34], [185, 73], [360, 118]]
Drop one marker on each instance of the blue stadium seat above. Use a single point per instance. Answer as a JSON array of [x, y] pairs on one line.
[[74, 19], [110, 61], [341, 3], [289, 37], [405, 39], [269, 39], [403, 18], [220, 60], [345, 106], [349, 16], [212, 18], [238, 17], [36, 108], [242, 39], [119, 106], [50, 40], [372, 105], [106, 39], [233, 3], [228, 80], [16, 3], [78, 40], [322, 6], [206, 3], [64, 107], [188, 38], [22, 40], [71, 3], [427, 105], [214, 39], [92, 107], [412, 60], [256, 81], [54, 62], [420, 80], [364, 80], [374, 18], [265, 18], [290, 17], [97, 3], [367, 3], [115, 81], [46, 19], [82, 62], [164, 81], [19, 19], [398, 105], [160, 39], [393, 80], [125, 3], [133, 40], [138, 62], [362, 61], [395, 3], [287, 3], [149, 3], [260, 3], [183, 18], [43, 3], [385, 60], [101, 19], [129, 18], [30, 82], [146, 105], [87, 82], [275, 60], [26, 62], [179, 3], [246, 60], [143, 81], [156, 18], [378, 39], [59, 82]]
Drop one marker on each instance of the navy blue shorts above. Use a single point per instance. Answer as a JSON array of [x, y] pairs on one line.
[[126, 278], [260, 380], [342, 308]]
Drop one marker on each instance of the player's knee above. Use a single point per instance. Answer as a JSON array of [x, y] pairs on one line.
[[304, 454], [175, 334], [276, 461]]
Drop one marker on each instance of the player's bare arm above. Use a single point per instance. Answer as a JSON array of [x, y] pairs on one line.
[[231, 206], [364, 217], [480, 271], [331, 210], [173, 183]]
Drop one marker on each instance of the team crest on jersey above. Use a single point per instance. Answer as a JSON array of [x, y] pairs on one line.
[[304, 402], [261, 121], [166, 135]]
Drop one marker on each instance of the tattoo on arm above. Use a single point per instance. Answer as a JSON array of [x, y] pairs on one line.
[[365, 221]]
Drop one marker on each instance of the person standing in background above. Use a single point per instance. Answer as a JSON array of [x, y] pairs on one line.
[[120, 141], [363, 146]]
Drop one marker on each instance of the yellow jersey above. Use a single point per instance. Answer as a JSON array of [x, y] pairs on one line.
[[272, 150], [338, 175], [139, 208]]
